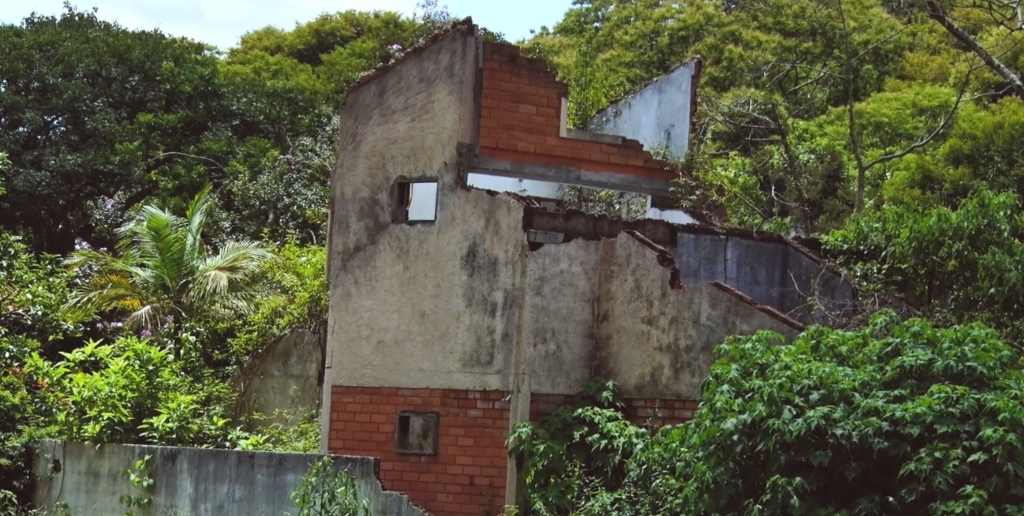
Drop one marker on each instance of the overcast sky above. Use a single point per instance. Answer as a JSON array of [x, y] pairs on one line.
[[222, 22]]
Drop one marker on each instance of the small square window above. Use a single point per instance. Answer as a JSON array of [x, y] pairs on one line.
[[418, 432], [414, 201]]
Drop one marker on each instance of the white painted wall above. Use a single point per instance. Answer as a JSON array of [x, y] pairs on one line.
[[657, 116], [673, 216]]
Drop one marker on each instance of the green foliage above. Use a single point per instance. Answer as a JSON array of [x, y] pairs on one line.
[[129, 391], [18, 420], [295, 433], [897, 417], [164, 272], [86, 106], [336, 48], [141, 482], [33, 291], [296, 297], [576, 454], [326, 490], [957, 265]]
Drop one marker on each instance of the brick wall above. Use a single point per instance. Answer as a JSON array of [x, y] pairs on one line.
[[467, 476], [521, 121], [649, 413]]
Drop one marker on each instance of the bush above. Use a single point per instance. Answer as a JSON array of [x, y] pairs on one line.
[[328, 491], [575, 456], [129, 391], [897, 417]]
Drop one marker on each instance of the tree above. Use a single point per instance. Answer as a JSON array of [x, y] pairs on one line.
[[84, 107], [164, 273], [1008, 21], [957, 265]]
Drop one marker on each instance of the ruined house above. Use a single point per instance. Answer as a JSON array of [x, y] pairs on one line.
[[459, 307]]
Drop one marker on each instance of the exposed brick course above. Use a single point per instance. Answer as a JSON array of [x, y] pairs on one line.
[[521, 121], [467, 476]]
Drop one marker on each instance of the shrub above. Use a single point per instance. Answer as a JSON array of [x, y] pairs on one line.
[[896, 417], [328, 491]]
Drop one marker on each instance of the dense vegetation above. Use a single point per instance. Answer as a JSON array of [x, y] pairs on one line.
[[163, 213], [898, 417]]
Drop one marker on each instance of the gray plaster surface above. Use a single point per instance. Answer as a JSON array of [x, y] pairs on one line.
[[192, 481]]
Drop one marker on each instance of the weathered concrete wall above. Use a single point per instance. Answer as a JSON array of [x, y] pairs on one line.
[[407, 122], [658, 115], [282, 382], [191, 481], [432, 305], [773, 272], [657, 342]]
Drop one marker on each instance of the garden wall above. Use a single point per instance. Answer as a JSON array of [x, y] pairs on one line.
[[90, 479]]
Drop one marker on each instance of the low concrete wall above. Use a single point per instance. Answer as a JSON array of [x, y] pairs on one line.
[[191, 481]]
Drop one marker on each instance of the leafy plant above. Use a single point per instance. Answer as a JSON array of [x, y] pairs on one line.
[[141, 482], [165, 273], [957, 265], [326, 490], [576, 451], [129, 391]]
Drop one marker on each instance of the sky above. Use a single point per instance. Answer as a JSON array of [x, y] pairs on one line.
[[222, 22]]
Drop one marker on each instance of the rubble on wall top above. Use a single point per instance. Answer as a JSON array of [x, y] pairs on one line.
[[589, 226]]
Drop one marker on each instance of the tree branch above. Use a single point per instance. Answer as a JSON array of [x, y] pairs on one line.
[[936, 13]]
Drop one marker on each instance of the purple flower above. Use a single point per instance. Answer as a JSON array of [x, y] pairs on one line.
[[145, 334]]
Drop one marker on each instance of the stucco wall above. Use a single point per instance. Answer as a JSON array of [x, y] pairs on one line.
[[192, 481], [281, 383], [464, 303], [431, 305], [406, 122], [658, 115]]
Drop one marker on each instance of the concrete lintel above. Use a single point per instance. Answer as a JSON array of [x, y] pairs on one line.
[[566, 175], [588, 136]]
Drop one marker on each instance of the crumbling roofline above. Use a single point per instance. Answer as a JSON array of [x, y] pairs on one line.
[[459, 26], [665, 259]]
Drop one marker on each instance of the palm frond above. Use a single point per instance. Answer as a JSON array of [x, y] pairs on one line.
[[195, 218], [229, 271], [150, 317], [107, 291], [157, 237]]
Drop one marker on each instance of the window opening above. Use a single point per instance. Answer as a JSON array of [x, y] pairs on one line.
[[415, 201], [418, 432]]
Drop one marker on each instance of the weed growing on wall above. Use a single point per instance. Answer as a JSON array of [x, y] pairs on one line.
[[141, 484], [329, 491]]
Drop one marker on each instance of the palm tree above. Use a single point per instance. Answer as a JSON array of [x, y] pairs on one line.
[[163, 273]]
